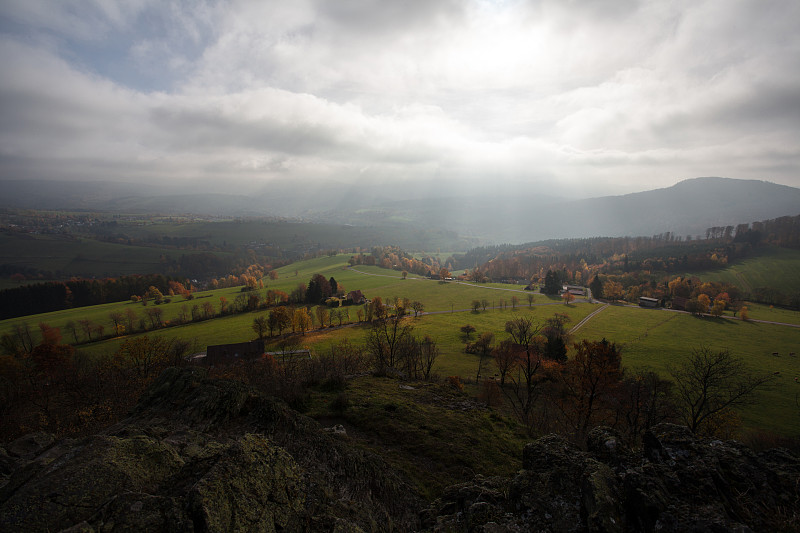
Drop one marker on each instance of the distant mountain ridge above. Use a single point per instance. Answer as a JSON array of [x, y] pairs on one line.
[[505, 216]]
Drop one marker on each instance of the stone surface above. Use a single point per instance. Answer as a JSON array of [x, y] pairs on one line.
[[202, 455], [211, 455], [676, 483]]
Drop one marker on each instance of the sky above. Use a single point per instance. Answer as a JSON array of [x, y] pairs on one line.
[[569, 97]]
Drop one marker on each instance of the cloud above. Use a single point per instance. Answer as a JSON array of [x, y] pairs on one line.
[[587, 98]]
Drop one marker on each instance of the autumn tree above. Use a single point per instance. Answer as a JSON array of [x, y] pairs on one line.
[[530, 299], [155, 315], [117, 320], [301, 320], [130, 320], [505, 354], [318, 289], [709, 384], [612, 290], [322, 314], [143, 355], [417, 307], [514, 301], [467, 330], [444, 274], [524, 384], [260, 326], [589, 381], [567, 297], [273, 275], [280, 318]]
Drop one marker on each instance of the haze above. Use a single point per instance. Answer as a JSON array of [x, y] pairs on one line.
[[569, 98]]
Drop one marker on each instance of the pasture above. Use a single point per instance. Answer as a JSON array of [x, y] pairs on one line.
[[773, 267], [651, 339]]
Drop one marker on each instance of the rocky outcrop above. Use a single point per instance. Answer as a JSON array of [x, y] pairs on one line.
[[213, 455], [676, 483], [202, 455]]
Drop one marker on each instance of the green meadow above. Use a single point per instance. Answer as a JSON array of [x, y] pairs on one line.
[[651, 339], [773, 267]]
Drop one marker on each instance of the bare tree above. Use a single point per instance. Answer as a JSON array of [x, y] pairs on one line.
[[708, 384]]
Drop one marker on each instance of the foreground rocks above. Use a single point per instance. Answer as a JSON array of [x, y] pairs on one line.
[[214, 455], [676, 483], [202, 455]]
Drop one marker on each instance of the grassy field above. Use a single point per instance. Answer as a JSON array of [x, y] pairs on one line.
[[655, 339], [774, 268], [651, 339]]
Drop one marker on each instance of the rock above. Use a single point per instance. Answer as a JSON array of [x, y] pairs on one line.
[[31, 445], [676, 483], [338, 429], [203, 455]]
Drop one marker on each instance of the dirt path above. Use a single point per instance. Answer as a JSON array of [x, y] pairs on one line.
[[586, 319]]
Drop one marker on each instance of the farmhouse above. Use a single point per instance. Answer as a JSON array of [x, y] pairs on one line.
[[225, 354], [644, 301], [356, 297], [575, 290]]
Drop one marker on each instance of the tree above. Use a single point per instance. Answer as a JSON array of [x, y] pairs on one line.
[[273, 275], [143, 355], [504, 356], [467, 330], [154, 314], [301, 320], [117, 319], [130, 320], [709, 384], [73, 329], [484, 304], [590, 380], [318, 289], [50, 335], [525, 335], [718, 308], [596, 286], [418, 307], [704, 301], [280, 318], [567, 297], [514, 301], [322, 315], [260, 326], [429, 353], [744, 315], [612, 290], [386, 339], [86, 326], [530, 299], [551, 283], [483, 347], [404, 274], [476, 305], [444, 274], [645, 400]]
